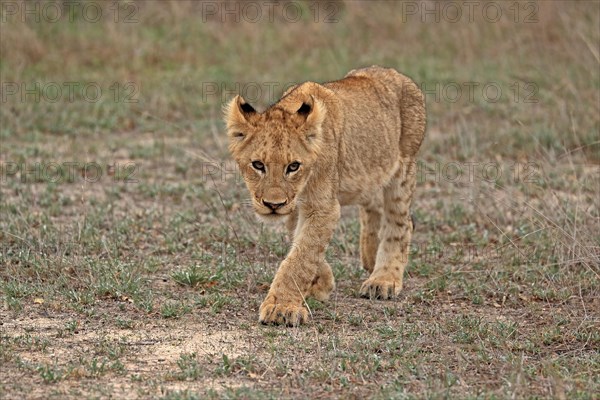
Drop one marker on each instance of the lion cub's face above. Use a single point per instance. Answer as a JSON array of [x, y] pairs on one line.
[[276, 150]]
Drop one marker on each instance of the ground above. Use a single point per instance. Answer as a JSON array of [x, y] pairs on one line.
[[132, 265]]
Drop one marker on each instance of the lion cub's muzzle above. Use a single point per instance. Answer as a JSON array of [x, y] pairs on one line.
[[274, 207]]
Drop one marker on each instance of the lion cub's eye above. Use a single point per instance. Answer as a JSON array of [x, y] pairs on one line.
[[292, 167], [259, 166]]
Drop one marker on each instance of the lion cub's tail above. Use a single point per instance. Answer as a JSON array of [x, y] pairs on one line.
[[413, 117]]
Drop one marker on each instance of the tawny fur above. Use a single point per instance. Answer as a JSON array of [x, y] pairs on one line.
[[356, 140]]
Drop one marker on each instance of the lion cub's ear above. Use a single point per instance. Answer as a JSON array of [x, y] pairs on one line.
[[238, 114], [312, 114]]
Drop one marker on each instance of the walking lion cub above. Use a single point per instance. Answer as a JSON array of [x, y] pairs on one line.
[[322, 146]]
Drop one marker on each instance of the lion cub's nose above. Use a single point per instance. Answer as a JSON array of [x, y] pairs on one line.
[[274, 206]]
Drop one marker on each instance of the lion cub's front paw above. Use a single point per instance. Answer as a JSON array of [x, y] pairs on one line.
[[290, 314], [380, 287]]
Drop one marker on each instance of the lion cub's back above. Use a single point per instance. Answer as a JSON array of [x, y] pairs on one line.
[[370, 99], [372, 86], [388, 76]]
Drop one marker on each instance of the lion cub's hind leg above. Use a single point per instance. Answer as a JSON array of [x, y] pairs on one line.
[[370, 223], [395, 234]]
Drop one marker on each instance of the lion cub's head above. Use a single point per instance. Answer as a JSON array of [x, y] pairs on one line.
[[276, 149]]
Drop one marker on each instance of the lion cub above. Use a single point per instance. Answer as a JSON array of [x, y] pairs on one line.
[[322, 146]]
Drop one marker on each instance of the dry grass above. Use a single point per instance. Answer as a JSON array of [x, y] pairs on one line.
[[145, 281]]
